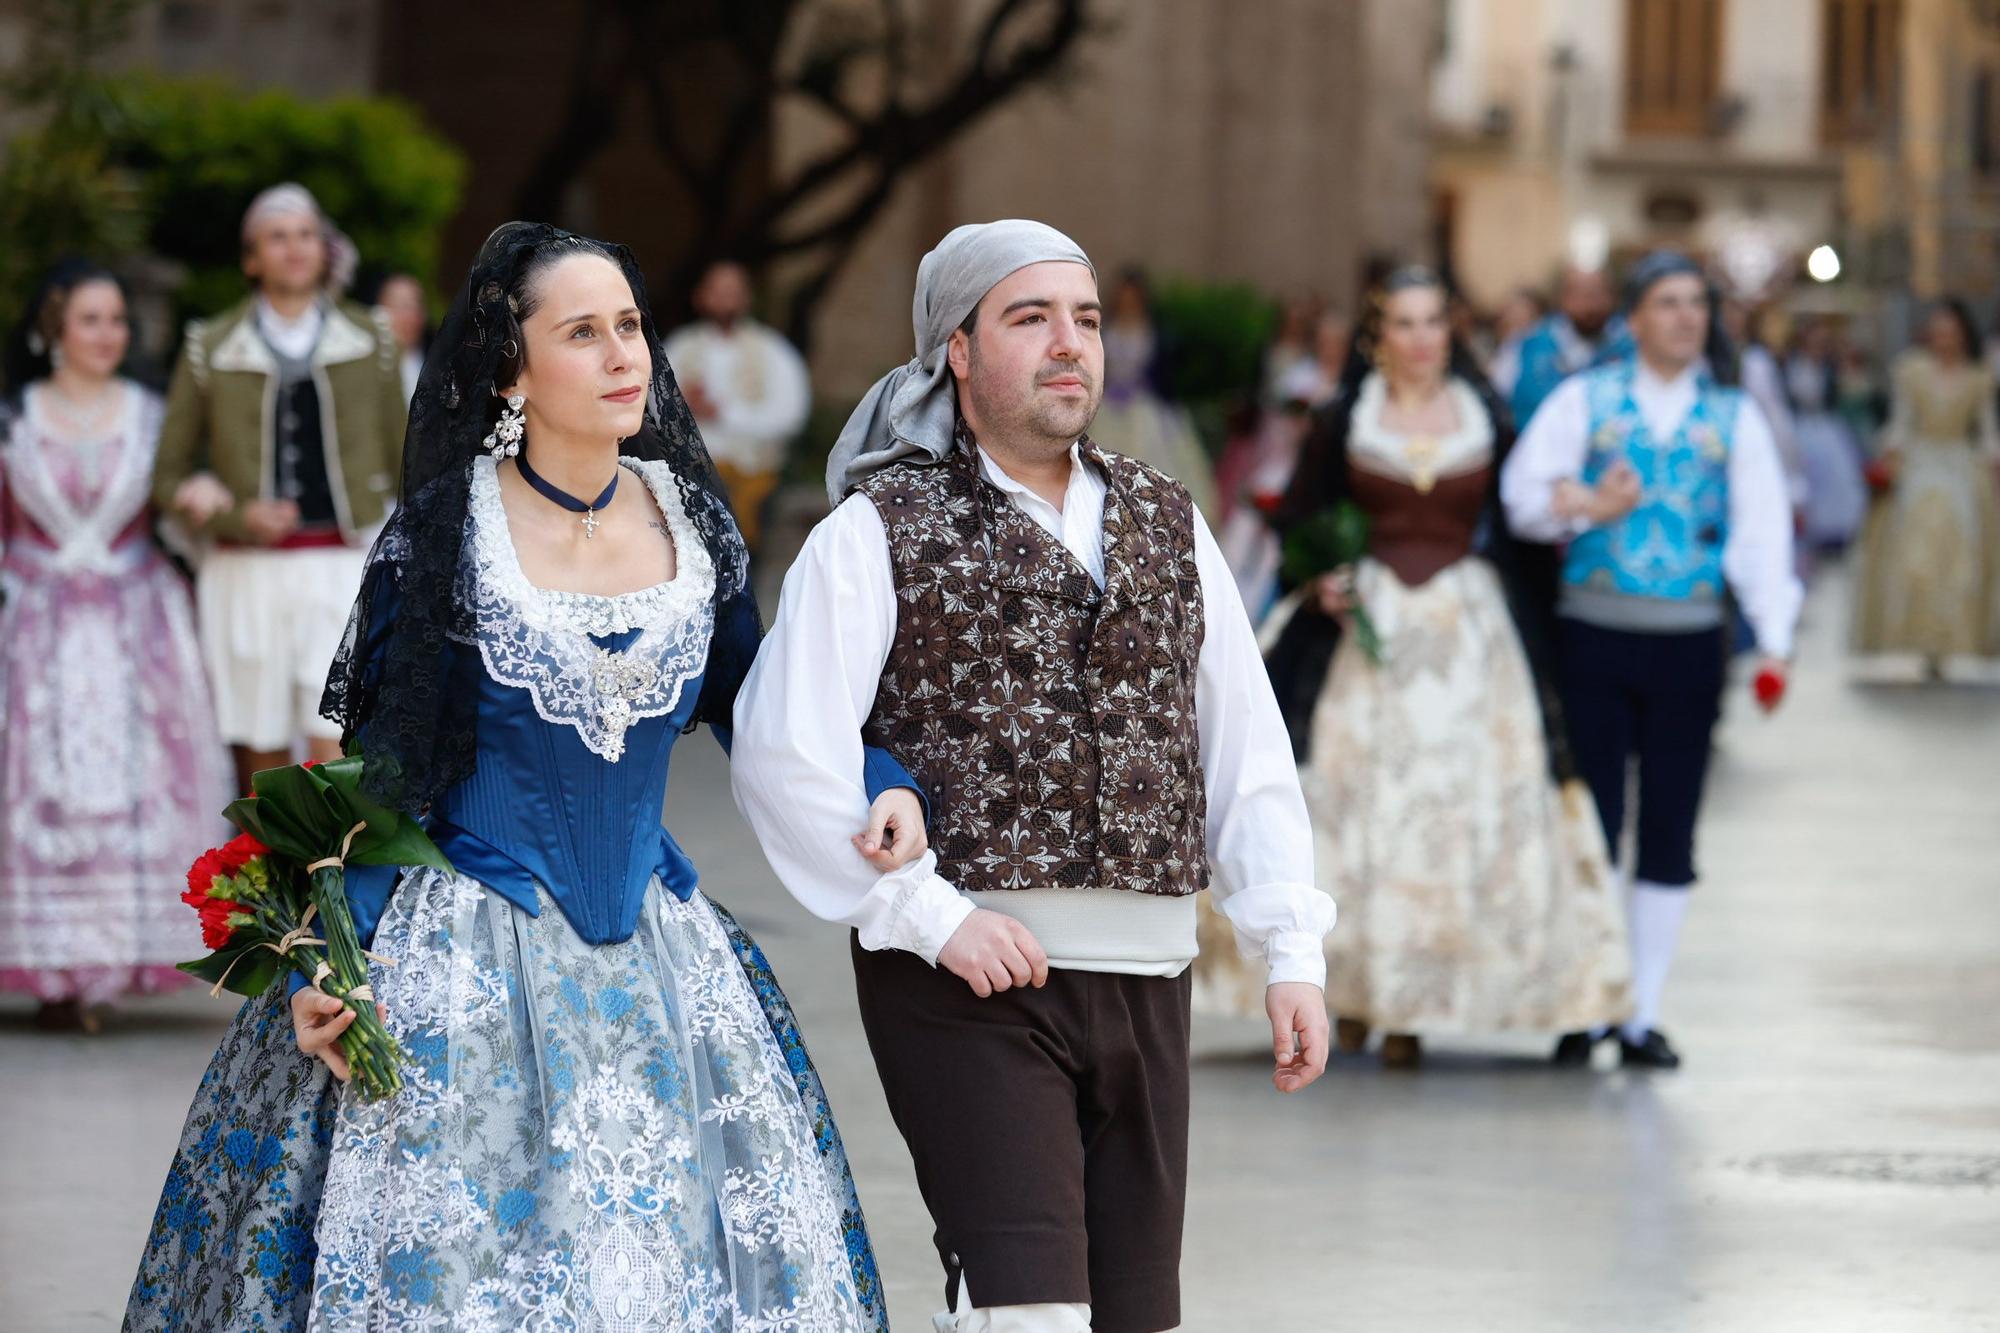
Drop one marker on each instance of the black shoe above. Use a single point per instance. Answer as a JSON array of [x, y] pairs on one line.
[[1573, 1051], [1654, 1052]]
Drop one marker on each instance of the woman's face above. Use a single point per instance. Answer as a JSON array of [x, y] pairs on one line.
[[95, 335], [402, 300], [1333, 337], [1298, 321], [1416, 334], [1943, 336], [1128, 304], [586, 363]]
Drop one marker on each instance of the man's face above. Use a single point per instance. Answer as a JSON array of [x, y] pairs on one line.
[[1670, 323], [1033, 368], [1586, 300], [723, 295], [286, 254]]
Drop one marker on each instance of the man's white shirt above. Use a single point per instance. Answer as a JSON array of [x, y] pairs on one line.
[[797, 751]]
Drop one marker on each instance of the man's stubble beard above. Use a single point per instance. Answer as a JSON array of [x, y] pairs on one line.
[[1027, 419]]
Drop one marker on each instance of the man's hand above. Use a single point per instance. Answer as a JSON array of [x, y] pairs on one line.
[[270, 521], [1773, 675], [991, 952], [1616, 494], [201, 497], [1298, 1033], [895, 834]]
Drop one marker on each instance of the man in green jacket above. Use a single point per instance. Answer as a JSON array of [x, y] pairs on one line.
[[281, 450]]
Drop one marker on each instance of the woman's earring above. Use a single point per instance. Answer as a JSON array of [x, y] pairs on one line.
[[505, 441], [37, 344], [55, 358]]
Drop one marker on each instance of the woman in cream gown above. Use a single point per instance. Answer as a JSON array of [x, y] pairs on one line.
[[1930, 557], [1474, 891]]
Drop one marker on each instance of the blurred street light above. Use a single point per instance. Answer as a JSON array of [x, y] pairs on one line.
[[1823, 264]]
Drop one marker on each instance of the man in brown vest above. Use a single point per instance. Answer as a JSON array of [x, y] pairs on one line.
[[1046, 636]]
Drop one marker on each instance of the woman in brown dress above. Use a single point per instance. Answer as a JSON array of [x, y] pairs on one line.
[[1474, 890]]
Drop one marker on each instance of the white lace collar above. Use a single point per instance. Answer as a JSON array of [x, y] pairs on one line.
[[540, 639], [1419, 460], [585, 613]]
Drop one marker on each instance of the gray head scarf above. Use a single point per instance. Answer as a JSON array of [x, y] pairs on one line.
[[910, 413]]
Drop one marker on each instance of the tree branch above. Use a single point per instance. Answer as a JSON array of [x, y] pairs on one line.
[[895, 52], [898, 139], [989, 35], [595, 78]]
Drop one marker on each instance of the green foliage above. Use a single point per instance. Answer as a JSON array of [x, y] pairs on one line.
[[1217, 332], [59, 193], [168, 166], [205, 150]]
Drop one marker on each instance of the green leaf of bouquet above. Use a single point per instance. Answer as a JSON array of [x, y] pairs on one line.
[[254, 968], [244, 814], [392, 838], [405, 844], [1350, 531], [296, 813]]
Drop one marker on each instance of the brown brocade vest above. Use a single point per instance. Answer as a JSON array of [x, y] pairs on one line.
[[1051, 725]]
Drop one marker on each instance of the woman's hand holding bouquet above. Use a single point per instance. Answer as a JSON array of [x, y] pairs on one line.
[[273, 900]]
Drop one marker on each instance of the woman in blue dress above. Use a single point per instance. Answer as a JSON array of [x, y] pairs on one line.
[[608, 1120]]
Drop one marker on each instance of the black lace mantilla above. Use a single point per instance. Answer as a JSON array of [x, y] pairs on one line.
[[404, 686]]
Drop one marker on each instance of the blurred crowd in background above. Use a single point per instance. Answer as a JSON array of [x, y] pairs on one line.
[[190, 189]]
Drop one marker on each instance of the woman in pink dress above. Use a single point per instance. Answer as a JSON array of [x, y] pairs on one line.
[[111, 775]]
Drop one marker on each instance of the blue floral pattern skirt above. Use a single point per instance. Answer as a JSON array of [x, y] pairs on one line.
[[619, 1137]]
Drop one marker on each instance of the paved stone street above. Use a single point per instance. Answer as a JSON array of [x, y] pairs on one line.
[[1829, 1159]]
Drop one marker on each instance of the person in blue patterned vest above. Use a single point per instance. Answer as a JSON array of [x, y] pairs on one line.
[[1663, 479], [1584, 331]]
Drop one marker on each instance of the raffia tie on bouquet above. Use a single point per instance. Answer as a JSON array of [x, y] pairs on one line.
[[301, 936]]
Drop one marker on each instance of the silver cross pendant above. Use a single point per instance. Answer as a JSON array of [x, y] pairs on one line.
[[590, 523]]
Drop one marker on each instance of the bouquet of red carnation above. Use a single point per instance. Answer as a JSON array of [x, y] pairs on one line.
[[274, 898]]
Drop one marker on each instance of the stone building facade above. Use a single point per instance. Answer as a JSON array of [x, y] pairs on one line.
[[1750, 130]]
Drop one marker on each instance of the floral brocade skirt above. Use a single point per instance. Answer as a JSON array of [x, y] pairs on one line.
[[616, 1137], [1475, 895]]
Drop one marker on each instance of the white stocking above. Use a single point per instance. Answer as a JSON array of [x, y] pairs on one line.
[[1657, 912], [1041, 1318]]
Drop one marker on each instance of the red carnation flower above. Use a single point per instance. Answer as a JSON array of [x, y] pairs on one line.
[[215, 925], [214, 912], [239, 852], [204, 872]]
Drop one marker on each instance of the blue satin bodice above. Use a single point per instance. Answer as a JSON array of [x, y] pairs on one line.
[[541, 811], [581, 701]]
